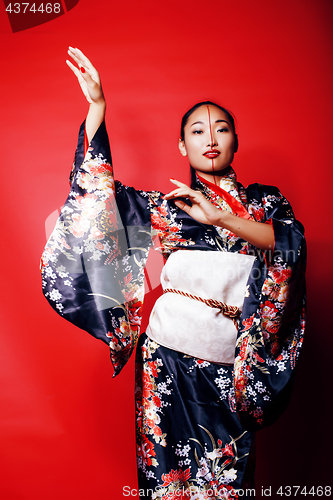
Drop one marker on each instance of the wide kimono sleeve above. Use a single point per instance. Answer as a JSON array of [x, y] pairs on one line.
[[273, 317], [93, 263]]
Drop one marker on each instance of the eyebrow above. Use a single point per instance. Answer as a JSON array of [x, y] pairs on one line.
[[202, 123]]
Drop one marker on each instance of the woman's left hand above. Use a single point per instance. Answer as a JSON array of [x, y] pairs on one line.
[[201, 210]]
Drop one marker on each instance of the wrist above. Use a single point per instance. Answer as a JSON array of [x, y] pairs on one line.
[[225, 219], [99, 104]]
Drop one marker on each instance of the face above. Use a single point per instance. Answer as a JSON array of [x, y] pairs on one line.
[[209, 141]]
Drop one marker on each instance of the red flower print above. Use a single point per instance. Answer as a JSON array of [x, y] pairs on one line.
[[258, 358], [270, 326], [134, 313], [157, 401], [100, 169], [146, 450], [243, 347], [271, 288], [150, 423], [147, 385], [219, 442], [240, 383], [153, 368], [157, 222], [258, 213], [281, 275], [268, 310], [247, 322], [173, 476], [163, 211], [227, 450], [157, 431], [110, 335]]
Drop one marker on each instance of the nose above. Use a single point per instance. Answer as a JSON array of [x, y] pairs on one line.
[[211, 140]]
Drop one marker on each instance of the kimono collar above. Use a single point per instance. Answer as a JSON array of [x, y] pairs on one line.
[[225, 195]]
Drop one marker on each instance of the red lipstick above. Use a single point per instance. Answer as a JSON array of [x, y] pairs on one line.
[[212, 153]]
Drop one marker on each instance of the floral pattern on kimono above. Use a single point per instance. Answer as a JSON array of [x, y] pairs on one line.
[[93, 273]]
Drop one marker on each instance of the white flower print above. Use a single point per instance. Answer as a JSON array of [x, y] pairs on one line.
[[229, 475], [55, 295]]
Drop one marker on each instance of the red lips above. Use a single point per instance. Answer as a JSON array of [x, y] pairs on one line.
[[212, 153]]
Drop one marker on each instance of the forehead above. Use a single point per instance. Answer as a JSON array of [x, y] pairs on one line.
[[207, 113]]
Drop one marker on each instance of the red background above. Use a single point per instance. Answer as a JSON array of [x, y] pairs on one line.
[[67, 428]]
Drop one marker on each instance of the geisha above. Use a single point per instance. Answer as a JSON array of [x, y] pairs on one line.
[[217, 360]]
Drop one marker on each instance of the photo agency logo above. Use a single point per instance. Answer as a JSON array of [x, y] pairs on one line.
[[25, 15]]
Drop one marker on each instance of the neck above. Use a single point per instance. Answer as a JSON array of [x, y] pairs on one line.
[[214, 177]]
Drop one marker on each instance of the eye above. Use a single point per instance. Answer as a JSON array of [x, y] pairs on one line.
[[224, 129], [197, 132]]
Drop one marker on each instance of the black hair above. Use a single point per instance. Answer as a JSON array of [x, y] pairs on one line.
[[185, 120]]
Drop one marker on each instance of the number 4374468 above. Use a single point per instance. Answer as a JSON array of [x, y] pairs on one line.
[[23, 8], [314, 491]]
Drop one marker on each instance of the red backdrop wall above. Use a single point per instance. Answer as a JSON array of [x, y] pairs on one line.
[[67, 428]]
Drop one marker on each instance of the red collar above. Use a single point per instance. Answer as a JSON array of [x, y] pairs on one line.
[[236, 206]]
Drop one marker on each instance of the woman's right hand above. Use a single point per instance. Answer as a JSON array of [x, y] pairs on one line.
[[87, 76], [90, 83]]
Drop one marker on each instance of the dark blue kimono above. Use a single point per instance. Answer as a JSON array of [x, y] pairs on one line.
[[195, 418]]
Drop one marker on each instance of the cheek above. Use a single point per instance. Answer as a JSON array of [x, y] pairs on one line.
[[192, 146], [230, 145]]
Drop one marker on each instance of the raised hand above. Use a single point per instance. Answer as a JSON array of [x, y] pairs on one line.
[[90, 83], [87, 76]]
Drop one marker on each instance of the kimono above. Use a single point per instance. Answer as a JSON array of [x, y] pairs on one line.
[[195, 419]]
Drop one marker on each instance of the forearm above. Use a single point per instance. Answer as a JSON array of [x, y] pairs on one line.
[[258, 234], [95, 117]]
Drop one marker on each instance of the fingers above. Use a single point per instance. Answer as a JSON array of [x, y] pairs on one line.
[[73, 68], [176, 193], [82, 77], [178, 183], [80, 58], [87, 76], [81, 80], [87, 70], [182, 190], [182, 205]]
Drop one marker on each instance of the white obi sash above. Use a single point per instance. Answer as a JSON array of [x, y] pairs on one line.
[[189, 326]]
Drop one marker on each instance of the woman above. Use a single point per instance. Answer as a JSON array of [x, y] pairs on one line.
[[218, 359]]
